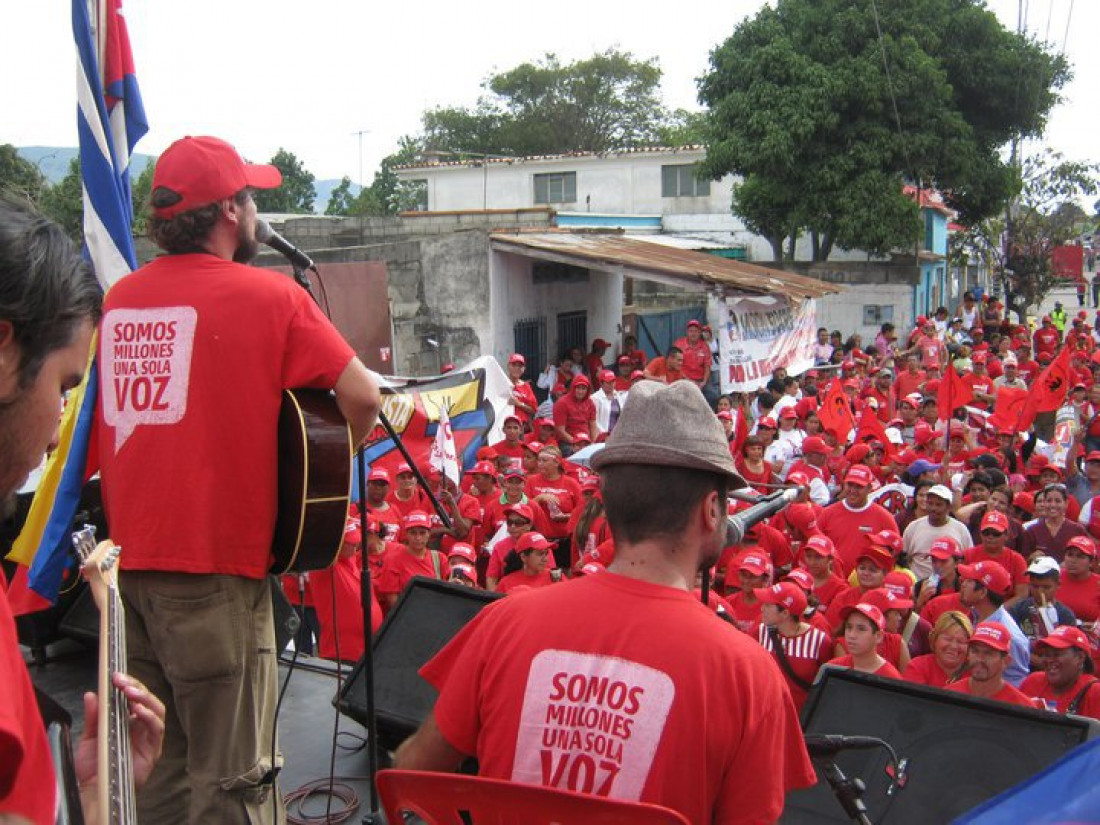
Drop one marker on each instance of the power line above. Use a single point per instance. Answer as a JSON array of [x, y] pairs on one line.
[[890, 87]]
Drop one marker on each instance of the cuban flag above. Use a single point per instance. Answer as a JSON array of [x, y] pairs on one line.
[[110, 121]]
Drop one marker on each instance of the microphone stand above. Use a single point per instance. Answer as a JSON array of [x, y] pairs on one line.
[[849, 792]]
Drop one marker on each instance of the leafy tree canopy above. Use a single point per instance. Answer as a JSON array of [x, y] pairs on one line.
[[387, 195], [19, 178], [801, 107], [296, 193]]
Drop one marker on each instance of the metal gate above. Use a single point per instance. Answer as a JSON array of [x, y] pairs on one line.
[[657, 330], [572, 331], [529, 338]]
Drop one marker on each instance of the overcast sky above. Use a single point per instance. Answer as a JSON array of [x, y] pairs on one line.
[[309, 75]]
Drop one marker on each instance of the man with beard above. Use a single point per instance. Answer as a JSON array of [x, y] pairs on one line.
[[49, 303], [622, 684], [195, 351]]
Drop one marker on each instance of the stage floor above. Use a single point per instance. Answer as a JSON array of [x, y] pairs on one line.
[[306, 721]]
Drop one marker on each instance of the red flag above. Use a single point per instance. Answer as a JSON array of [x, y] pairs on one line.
[[740, 430], [954, 393], [871, 429], [1007, 407], [836, 412], [1048, 393]]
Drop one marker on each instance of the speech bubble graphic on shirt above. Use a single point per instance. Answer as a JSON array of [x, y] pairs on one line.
[[145, 367]]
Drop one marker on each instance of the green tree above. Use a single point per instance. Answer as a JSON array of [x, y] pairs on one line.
[[64, 202], [800, 107], [19, 177], [607, 101], [140, 189], [296, 193], [341, 201]]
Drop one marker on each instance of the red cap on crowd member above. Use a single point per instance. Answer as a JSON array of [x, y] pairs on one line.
[[516, 358], [820, 544], [1025, 501], [913, 400], [463, 550], [885, 600], [379, 474], [888, 539], [523, 511], [581, 381], [767, 422], [205, 170], [1066, 636], [907, 458], [755, 564], [859, 475], [992, 634], [624, 359], [1036, 464], [468, 572], [544, 422], [417, 518], [869, 611], [483, 468], [857, 453], [1043, 358], [788, 412], [1083, 543], [802, 577], [797, 478], [533, 541], [606, 376], [945, 548], [786, 595], [637, 375], [591, 568], [848, 365], [921, 321], [879, 556], [850, 384], [515, 418], [923, 434], [806, 406], [403, 469], [533, 446], [932, 387], [995, 520], [988, 574], [724, 415], [1082, 315], [979, 358], [1054, 468], [590, 484], [815, 374], [801, 518], [900, 585], [815, 445], [512, 471], [694, 323]]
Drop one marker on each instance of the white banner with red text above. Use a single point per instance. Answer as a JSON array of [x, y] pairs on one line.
[[757, 334]]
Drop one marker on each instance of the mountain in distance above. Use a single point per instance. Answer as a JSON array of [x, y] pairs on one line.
[[53, 163]]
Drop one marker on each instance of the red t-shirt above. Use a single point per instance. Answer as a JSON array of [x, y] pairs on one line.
[[1007, 693], [979, 383], [574, 415], [908, 383], [1082, 597], [1010, 560], [634, 691], [189, 405], [658, 368], [744, 615], [938, 605], [521, 578], [850, 530], [400, 565], [337, 589], [806, 653], [924, 670], [886, 669], [828, 591], [526, 395], [758, 481], [27, 785], [697, 358], [568, 493], [1036, 686], [1046, 339], [417, 501]]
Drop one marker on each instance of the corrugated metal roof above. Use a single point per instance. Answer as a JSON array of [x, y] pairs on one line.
[[474, 160], [605, 250]]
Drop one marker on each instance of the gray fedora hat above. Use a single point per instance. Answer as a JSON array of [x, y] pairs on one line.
[[669, 426]]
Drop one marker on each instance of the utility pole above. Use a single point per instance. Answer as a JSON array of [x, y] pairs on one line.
[[360, 134]]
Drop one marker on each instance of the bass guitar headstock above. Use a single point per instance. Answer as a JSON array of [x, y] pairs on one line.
[[98, 562]]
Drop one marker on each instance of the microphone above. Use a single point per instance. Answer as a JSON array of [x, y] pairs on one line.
[[739, 523], [268, 236], [826, 744]]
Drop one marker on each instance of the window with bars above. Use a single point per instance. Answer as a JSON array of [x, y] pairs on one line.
[[559, 187], [680, 181]]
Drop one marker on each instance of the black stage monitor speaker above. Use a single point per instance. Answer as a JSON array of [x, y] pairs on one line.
[[428, 614], [960, 750]]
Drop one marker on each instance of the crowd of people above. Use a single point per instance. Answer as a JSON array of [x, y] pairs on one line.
[[952, 552]]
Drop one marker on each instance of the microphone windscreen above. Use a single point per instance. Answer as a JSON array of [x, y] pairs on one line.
[[263, 231]]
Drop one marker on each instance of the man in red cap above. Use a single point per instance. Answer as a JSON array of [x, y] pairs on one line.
[[850, 521], [1046, 337], [882, 390], [994, 533], [1066, 685], [176, 449], [983, 590], [624, 367], [980, 382], [872, 565], [593, 362], [697, 355], [523, 398], [415, 559], [609, 403], [988, 656], [378, 491], [575, 412], [814, 463], [751, 571], [512, 445]]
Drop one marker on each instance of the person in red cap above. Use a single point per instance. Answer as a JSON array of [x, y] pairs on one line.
[[851, 520], [406, 494], [817, 557], [1046, 337], [697, 355], [891, 646], [872, 565], [523, 400], [993, 534], [983, 591], [173, 450], [947, 661], [608, 402], [1080, 587], [940, 592], [632, 351], [980, 382], [416, 559], [799, 648], [557, 494], [624, 368], [814, 463], [575, 412], [667, 368], [512, 444], [863, 629], [882, 390], [529, 564], [988, 656], [519, 519], [752, 570], [379, 490], [1066, 685]]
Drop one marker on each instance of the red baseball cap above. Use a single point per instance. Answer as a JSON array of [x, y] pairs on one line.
[[402, 469], [802, 577], [724, 415], [417, 518], [945, 548], [524, 511], [988, 574], [995, 520], [513, 472], [515, 418], [787, 595], [755, 564], [463, 550], [607, 375], [1025, 501], [901, 586], [625, 359], [1084, 544], [881, 557], [820, 544], [801, 519], [516, 358], [544, 422], [203, 170], [872, 613], [788, 412], [483, 468], [886, 599], [888, 539], [798, 479], [533, 541], [1067, 636], [467, 571], [694, 323], [379, 474], [859, 475], [815, 444], [992, 634], [768, 422], [534, 446]]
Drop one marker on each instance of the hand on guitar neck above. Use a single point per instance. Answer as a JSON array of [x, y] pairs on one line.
[[146, 716]]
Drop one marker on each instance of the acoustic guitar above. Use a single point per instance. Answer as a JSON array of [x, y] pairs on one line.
[[315, 451]]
